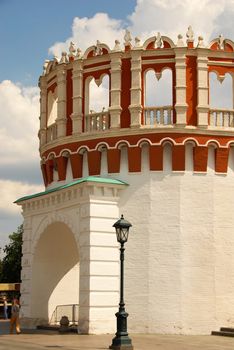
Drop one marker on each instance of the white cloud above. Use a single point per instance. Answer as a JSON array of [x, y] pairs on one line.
[[19, 123], [86, 31], [12, 190], [170, 17]]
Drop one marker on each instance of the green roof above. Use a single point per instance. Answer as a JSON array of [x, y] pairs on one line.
[[85, 179]]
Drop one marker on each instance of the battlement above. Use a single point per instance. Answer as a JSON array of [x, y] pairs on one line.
[[68, 124]]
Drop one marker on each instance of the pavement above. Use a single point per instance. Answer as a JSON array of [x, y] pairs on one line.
[[38, 340]]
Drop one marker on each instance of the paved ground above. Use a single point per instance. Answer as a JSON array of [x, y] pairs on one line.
[[52, 340]]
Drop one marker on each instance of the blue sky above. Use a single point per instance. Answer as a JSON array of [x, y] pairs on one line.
[[32, 31], [29, 28]]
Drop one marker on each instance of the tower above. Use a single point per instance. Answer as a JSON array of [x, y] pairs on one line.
[[168, 168]]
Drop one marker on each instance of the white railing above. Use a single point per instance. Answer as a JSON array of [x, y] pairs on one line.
[[222, 117], [71, 311], [97, 121], [158, 115], [51, 133]]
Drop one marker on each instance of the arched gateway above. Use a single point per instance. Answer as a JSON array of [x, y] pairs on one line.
[[175, 169]]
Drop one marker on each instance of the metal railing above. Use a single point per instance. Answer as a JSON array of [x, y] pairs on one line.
[[70, 310], [158, 115], [97, 121], [51, 132], [222, 117]]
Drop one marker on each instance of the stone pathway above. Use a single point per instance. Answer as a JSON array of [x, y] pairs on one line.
[[51, 340]]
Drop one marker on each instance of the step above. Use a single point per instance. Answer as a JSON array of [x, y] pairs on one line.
[[72, 329], [223, 334], [226, 329]]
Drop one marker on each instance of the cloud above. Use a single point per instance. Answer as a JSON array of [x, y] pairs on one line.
[[86, 31], [12, 190], [19, 123], [170, 17]]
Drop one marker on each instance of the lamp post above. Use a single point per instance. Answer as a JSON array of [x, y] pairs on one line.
[[121, 341]]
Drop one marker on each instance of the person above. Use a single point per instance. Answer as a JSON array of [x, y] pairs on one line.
[[15, 309], [5, 308]]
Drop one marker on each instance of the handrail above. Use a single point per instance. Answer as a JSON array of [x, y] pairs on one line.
[[222, 117], [161, 115], [69, 310]]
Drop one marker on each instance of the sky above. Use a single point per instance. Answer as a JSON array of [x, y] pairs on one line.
[[32, 31]]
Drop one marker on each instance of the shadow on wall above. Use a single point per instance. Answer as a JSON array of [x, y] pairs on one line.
[[55, 279]]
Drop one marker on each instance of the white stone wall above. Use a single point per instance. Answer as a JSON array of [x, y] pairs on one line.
[[180, 253]]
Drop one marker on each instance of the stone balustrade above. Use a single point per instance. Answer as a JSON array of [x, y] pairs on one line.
[[154, 116], [222, 117], [97, 121]]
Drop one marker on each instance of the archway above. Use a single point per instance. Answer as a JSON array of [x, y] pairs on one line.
[[55, 273]]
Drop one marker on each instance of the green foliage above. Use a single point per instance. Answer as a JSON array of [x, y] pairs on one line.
[[10, 266]]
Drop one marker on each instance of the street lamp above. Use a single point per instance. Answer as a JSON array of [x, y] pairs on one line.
[[121, 341]]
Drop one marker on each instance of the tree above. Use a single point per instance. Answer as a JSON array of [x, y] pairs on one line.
[[11, 263]]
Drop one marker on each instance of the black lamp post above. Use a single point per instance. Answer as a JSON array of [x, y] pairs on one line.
[[121, 341]]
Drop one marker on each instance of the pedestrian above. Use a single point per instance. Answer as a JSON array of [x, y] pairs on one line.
[[15, 309], [5, 308]]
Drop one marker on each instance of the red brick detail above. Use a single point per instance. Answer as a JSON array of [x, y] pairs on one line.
[[200, 157], [178, 158], [50, 170], [125, 118], [221, 160], [62, 167], [44, 174], [156, 158], [94, 162], [134, 159], [191, 90], [113, 160], [76, 165], [69, 102]]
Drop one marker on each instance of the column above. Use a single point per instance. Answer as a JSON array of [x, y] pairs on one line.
[[61, 120], [181, 105], [77, 79], [43, 117], [99, 263], [26, 275], [202, 87], [136, 91], [115, 93]]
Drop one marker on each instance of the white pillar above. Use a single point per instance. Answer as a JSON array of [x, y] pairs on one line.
[[181, 105], [61, 118], [77, 80], [202, 87], [115, 108], [26, 274], [43, 103], [136, 90], [99, 264]]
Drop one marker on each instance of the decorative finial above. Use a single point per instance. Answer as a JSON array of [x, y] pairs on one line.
[[190, 34], [78, 53], [180, 42], [45, 65], [98, 49], [117, 46], [158, 41], [127, 38], [72, 49], [200, 41], [221, 42], [64, 57], [137, 42]]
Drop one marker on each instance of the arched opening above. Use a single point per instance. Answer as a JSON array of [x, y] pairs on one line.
[[52, 107], [158, 97], [97, 104], [221, 100], [55, 275]]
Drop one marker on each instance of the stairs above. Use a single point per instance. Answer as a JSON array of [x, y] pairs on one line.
[[224, 332]]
